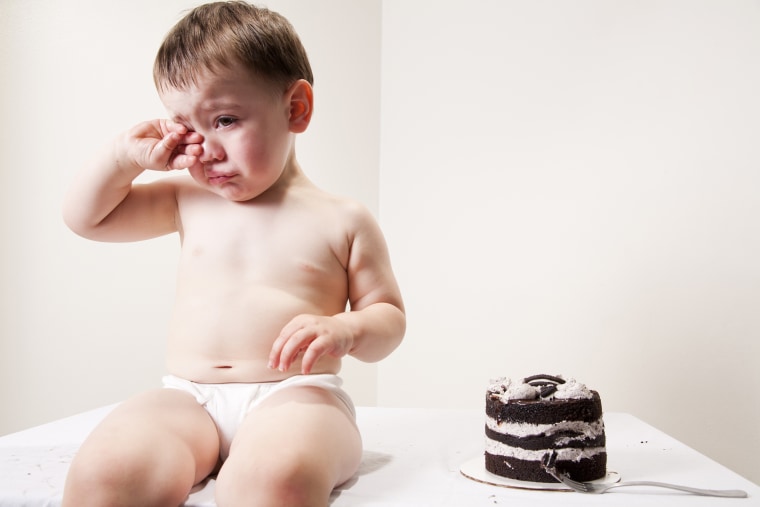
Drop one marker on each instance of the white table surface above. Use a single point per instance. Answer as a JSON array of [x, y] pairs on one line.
[[412, 458]]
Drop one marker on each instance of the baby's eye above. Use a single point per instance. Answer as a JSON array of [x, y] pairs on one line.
[[225, 121]]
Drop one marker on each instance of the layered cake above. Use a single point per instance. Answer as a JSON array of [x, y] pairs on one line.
[[529, 418]]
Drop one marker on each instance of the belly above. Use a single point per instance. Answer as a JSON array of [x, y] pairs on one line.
[[225, 334], [198, 369]]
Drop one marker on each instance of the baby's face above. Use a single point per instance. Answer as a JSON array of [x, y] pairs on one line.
[[247, 139]]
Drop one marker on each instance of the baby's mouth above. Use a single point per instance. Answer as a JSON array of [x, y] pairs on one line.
[[218, 179]]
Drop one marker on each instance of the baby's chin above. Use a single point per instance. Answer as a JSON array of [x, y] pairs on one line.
[[233, 192], [231, 188]]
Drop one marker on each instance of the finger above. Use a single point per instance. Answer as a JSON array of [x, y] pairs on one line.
[[194, 150], [166, 146], [186, 136], [276, 351], [314, 351], [174, 126], [296, 343], [296, 324], [192, 137], [178, 153], [288, 354], [278, 344], [181, 162]]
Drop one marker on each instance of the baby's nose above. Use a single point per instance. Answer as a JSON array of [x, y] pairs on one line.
[[211, 151]]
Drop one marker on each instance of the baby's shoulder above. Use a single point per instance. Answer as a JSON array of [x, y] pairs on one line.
[[343, 208]]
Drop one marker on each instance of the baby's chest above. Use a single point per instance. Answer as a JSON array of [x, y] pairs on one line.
[[263, 242], [290, 253]]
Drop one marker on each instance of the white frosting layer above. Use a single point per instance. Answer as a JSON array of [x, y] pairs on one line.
[[584, 430], [568, 454], [572, 390], [507, 390]]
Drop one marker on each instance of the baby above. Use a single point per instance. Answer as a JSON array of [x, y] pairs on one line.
[[268, 266]]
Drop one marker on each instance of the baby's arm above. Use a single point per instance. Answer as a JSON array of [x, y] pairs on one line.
[[104, 205], [376, 323]]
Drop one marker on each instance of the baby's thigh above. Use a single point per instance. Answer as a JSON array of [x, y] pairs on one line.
[[159, 439], [299, 443]]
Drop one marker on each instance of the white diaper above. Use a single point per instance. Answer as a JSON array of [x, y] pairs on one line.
[[228, 404]]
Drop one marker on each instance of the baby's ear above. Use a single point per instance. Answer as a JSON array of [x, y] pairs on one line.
[[301, 105]]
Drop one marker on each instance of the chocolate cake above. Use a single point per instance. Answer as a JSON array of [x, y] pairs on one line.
[[527, 419]]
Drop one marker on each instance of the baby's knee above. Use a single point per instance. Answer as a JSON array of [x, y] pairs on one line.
[[96, 478], [109, 477], [275, 482]]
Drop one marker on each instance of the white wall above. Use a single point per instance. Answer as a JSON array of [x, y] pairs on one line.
[[83, 323], [573, 187], [566, 187]]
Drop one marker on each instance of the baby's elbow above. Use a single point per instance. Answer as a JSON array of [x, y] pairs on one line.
[[76, 221], [398, 304], [70, 218], [398, 322]]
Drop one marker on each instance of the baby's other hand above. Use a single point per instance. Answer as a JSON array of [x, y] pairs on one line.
[[163, 145], [315, 336]]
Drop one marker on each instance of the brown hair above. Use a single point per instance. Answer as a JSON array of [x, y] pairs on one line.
[[220, 35]]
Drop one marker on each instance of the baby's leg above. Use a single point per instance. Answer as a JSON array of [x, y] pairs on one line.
[[149, 451], [291, 450]]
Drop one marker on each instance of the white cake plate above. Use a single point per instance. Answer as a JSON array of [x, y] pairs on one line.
[[475, 469]]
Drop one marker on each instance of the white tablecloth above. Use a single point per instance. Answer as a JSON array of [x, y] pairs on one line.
[[412, 458]]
